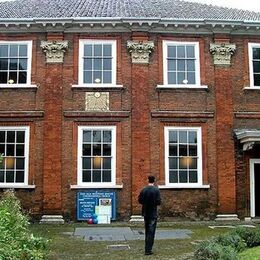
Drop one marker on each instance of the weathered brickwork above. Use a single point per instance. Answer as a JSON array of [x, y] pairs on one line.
[[140, 133]]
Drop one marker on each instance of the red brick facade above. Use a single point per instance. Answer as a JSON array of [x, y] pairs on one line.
[[140, 111]]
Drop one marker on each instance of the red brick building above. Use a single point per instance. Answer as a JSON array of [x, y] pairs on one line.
[[97, 95]]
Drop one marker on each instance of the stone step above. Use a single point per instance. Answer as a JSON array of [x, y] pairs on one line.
[[227, 217], [137, 218], [52, 219]]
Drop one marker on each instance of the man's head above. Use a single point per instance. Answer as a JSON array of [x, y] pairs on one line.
[[151, 179]]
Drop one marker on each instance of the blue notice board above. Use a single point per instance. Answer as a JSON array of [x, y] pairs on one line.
[[87, 200]]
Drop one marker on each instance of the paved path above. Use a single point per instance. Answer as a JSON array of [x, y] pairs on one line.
[[127, 233]]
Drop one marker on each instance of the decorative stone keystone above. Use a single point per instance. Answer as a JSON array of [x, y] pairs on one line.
[[54, 50], [97, 101], [222, 53], [140, 51]]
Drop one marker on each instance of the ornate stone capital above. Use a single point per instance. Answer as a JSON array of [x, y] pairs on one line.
[[54, 50], [97, 101], [222, 53], [140, 51]]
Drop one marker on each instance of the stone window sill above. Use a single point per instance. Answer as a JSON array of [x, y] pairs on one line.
[[75, 187], [252, 88], [16, 86], [16, 186], [202, 87], [183, 187]]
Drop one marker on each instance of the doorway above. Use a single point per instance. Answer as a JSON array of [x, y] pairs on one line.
[[255, 187]]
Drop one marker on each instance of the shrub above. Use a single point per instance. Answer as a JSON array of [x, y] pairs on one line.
[[250, 236], [16, 242], [210, 250], [233, 240]]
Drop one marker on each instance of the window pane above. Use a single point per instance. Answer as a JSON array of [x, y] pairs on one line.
[[86, 163], [180, 77], [3, 64], [23, 50], [20, 176], [173, 136], [22, 64], [97, 162], [19, 150], [2, 148], [3, 50], [106, 149], [173, 177], [10, 150], [180, 65], [97, 64], [86, 136], [22, 77], [180, 51], [256, 66], [171, 77], [193, 176], [13, 76], [192, 150], [86, 149], [3, 77], [183, 151], [86, 176], [256, 79], [107, 50], [88, 64], [88, 77], [2, 136], [13, 50], [256, 53], [183, 176], [173, 163], [20, 136], [107, 64], [20, 163], [97, 50], [107, 163], [190, 52], [87, 50], [96, 149], [107, 77], [97, 136], [96, 176], [173, 150], [97, 76], [183, 162], [191, 78], [106, 176], [107, 136], [13, 64], [183, 136], [192, 137], [193, 163], [10, 136], [171, 65], [172, 51], [191, 65], [1, 176], [9, 176]]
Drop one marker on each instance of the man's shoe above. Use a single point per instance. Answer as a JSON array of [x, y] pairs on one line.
[[148, 253]]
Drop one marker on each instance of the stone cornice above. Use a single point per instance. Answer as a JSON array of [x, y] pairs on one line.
[[54, 50], [222, 53]]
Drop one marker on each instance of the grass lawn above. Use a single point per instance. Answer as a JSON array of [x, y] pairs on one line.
[[66, 247], [250, 254]]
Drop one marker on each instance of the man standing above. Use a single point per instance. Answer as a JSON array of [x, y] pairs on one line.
[[150, 198]]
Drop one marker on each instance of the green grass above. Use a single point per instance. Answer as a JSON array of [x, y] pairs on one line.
[[250, 254], [65, 246]]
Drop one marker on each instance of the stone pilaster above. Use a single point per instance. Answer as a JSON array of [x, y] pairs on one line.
[[222, 53], [140, 51]]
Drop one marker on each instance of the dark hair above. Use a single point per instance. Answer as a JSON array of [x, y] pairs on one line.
[[151, 179]]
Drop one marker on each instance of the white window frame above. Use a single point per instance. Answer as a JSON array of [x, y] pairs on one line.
[[250, 59], [26, 155], [29, 64], [81, 62], [113, 155], [199, 155], [167, 43]]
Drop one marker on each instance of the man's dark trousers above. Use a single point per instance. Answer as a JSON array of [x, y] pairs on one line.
[[150, 226]]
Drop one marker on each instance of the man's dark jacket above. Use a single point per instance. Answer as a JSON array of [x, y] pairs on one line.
[[150, 198]]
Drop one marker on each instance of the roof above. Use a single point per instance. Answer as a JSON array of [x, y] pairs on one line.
[[173, 9]]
